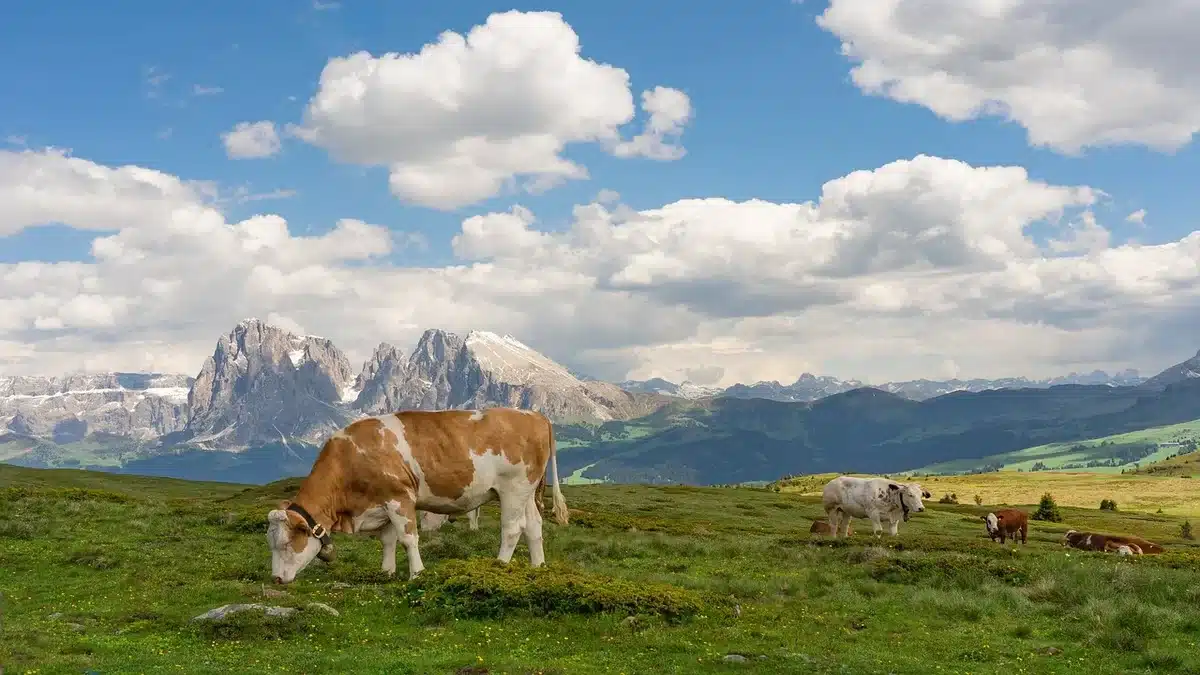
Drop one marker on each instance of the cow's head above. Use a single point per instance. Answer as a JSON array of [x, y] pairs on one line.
[[293, 544], [1068, 539], [992, 521], [909, 496]]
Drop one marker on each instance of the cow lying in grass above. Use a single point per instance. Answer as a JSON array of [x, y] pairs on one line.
[[1007, 523], [822, 527], [876, 499], [1093, 541], [373, 476]]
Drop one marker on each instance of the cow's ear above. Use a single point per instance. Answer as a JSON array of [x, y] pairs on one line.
[[893, 486], [925, 494], [284, 504]]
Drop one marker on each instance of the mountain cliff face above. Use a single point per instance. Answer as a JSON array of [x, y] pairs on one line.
[[140, 406], [263, 383], [484, 369], [1181, 372]]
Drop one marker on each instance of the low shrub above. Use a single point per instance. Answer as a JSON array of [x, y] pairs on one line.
[[93, 558], [957, 569], [487, 588], [1185, 530], [951, 498], [1108, 505]]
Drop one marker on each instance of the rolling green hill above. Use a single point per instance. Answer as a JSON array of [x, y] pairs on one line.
[[104, 573], [1109, 454], [866, 430]]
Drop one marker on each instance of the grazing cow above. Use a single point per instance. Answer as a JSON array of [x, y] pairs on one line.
[[822, 527], [1007, 523], [1093, 541], [877, 499], [373, 475]]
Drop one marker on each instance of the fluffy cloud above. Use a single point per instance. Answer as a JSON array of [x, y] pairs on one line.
[[471, 116], [917, 267], [251, 140], [1074, 73]]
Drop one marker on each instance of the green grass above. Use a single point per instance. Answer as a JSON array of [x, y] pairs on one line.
[[103, 573], [1057, 455]]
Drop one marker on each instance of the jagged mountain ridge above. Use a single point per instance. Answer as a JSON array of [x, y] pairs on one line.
[[140, 406], [810, 387]]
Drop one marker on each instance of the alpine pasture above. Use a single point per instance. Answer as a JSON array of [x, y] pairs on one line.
[[105, 573]]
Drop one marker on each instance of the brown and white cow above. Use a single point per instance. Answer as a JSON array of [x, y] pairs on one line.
[[1007, 523], [373, 475], [823, 527], [1094, 541]]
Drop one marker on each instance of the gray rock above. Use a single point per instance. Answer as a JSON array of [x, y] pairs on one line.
[[223, 611], [77, 627], [273, 593], [320, 606], [340, 585], [734, 658]]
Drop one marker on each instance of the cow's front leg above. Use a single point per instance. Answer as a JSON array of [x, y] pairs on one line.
[[893, 526], [1003, 538], [390, 537], [876, 524], [473, 519], [403, 514]]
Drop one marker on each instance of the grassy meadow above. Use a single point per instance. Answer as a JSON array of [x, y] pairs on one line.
[[103, 573], [1175, 494]]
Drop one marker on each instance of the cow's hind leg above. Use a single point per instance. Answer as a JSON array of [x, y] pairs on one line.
[[533, 533], [403, 514], [390, 536], [473, 519], [512, 522]]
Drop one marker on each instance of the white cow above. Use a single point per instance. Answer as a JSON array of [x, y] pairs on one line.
[[876, 499]]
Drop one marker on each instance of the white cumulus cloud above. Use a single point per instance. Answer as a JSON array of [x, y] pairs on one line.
[[1073, 73], [471, 116], [891, 273], [251, 140]]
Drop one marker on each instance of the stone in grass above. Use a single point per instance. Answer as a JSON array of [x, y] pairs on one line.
[[223, 611], [324, 608]]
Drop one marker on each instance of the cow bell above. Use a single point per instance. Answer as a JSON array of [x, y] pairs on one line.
[[326, 553]]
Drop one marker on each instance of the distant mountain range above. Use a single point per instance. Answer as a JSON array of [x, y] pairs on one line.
[[263, 402]]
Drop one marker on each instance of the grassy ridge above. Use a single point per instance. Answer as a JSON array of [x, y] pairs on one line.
[[104, 572], [1074, 453]]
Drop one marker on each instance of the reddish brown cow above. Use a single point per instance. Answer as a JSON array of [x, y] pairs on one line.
[[822, 527], [1007, 523], [375, 474], [1094, 541]]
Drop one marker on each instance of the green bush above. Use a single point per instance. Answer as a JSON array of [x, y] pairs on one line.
[[978, 500], [1108, 505], [487, 588], [1185, 530], [951, 498], [1048, 510]]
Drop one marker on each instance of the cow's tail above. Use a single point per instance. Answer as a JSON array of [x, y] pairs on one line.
[[561, 515]]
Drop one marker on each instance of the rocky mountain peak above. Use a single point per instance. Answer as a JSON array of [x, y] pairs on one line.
[[264, 382]]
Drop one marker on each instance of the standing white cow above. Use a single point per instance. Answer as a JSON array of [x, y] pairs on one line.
[[876, 499]]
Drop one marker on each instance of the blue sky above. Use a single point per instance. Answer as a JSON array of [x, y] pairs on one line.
[[775, 116]]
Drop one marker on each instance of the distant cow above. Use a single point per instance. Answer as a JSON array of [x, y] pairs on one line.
[[876, 499], [1094, 541], [1007, 523], [375, 474], [432, 522], [822, 527]]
